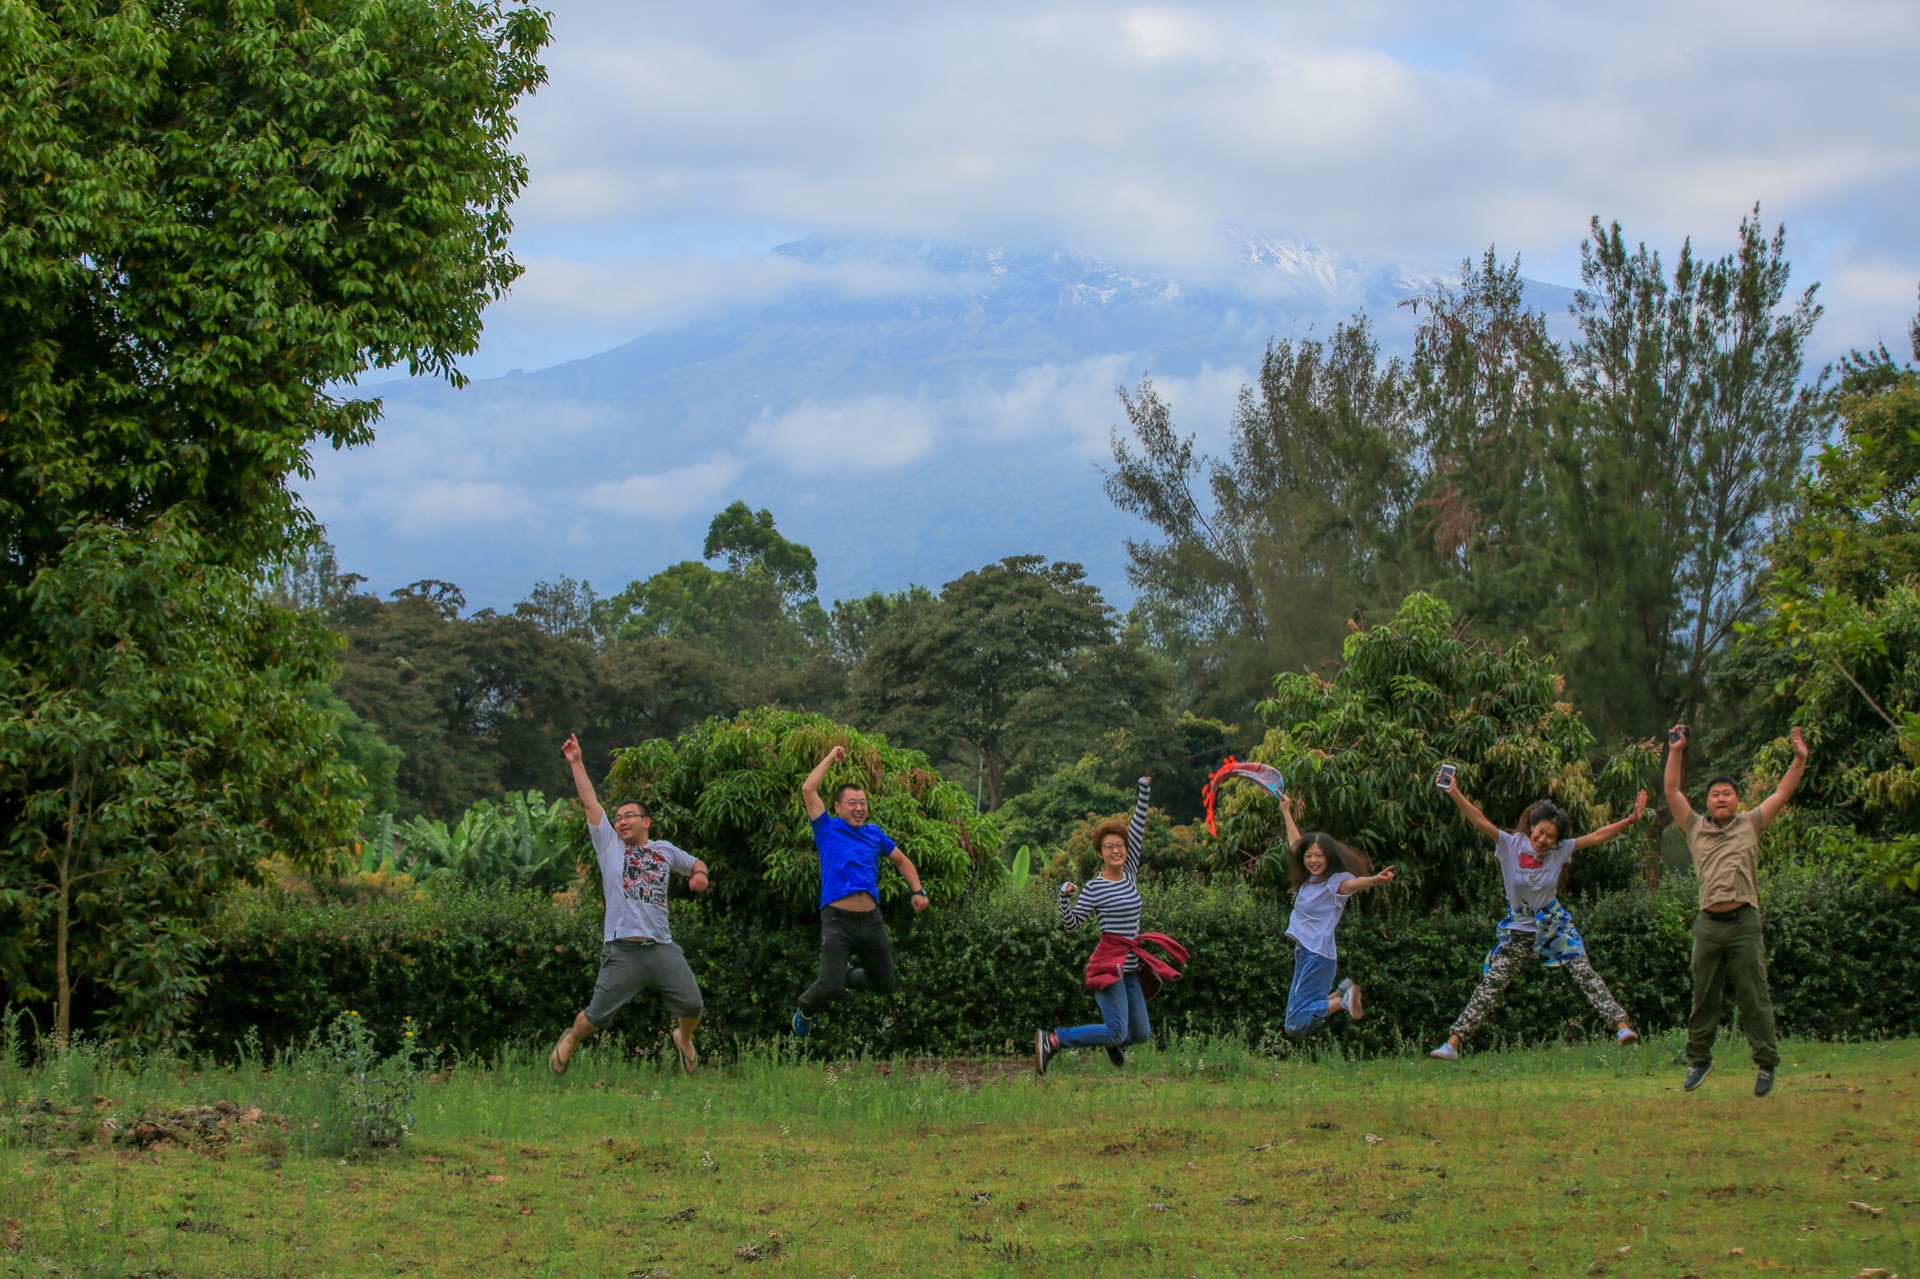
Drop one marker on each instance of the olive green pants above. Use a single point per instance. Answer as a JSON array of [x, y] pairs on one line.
[[1731, 951]]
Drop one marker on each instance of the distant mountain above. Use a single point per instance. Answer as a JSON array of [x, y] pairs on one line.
[[922, 410]]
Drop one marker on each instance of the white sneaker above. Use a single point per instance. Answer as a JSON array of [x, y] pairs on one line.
[[1445, 1052], [1627, 1035], [1350, 998]]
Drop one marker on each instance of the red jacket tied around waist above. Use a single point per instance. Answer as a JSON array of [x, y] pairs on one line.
[[1108, 963]]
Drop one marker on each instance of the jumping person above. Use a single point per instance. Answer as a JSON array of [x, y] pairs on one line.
[[1325, 874], [1533, 864], [638, 953], [1729, 941], [1114, 971], [850, 920]]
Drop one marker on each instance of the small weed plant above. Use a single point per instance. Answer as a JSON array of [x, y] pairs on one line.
[[360, 1099]]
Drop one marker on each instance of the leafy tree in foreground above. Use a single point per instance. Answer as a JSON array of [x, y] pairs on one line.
[[162, 743], [1360, 750], [213, 216], [214, 213], [1838, 649], [729, 791]]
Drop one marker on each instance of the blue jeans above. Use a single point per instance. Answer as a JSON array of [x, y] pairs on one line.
[[1123, 1009], [1312, 985]]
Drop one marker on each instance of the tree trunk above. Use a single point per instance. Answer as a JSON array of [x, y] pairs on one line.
[[63, 1025]]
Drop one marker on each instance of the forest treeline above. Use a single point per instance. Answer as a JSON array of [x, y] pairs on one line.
[[1623, 501]]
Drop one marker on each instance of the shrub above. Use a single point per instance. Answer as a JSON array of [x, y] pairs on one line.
[[729, 792], [482, 969], [1360, 750]]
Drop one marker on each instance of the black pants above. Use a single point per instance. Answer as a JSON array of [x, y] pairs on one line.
[[844, 934]]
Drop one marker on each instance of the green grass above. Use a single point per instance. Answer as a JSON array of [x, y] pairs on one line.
[[1199, 1160]]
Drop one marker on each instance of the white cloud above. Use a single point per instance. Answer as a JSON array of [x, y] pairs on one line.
[[937, 116], [865, 433], [1052, 407], [435, 506], [1390, 130], [670, 495]]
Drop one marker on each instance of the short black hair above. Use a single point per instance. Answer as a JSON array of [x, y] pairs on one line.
[[636, 803], [1723, 779], [844, 787]]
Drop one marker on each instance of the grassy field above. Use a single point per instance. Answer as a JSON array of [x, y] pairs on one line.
[[1192, 1162]]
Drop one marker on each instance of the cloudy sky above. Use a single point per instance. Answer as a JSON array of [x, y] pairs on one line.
[[676, 144]]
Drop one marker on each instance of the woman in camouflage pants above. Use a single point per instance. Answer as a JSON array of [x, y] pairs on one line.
[[1533, 862]]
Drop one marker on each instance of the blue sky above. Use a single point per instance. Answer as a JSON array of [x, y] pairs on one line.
[[676, 144]]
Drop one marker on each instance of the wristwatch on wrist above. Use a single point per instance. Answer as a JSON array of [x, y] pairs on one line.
[[918, 892]]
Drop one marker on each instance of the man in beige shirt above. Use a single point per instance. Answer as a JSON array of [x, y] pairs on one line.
[[1729, 943]]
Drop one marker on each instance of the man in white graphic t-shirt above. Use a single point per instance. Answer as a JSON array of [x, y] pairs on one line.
[[638, 953]]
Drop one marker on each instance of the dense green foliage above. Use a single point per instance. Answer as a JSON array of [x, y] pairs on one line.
[[156, 741], [1016, 663], [729, 792], [1359, 751], [1838, 649], [522, 841], [212, 215], [482, 970]]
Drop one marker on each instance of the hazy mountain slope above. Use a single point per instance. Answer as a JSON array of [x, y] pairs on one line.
[[907, 432]]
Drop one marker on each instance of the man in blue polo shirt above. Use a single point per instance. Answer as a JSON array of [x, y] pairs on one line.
[[850, 920]]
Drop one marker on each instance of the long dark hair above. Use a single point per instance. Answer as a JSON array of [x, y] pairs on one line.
[[1546, 811], [1339, 857]]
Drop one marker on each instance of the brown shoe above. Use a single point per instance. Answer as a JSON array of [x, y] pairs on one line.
[[562, 1053]]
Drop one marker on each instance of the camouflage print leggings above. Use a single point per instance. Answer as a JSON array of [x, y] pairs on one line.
[[1517, 954]]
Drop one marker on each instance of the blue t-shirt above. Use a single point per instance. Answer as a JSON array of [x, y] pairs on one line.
[[849, 857]]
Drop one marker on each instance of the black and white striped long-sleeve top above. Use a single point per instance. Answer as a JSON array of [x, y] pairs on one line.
[[1116, 901]]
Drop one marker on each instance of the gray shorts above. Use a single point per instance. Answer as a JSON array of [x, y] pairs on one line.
[[629, 967]]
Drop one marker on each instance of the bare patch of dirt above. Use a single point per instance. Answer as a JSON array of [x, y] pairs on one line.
[[208, 1130], [971, 1071]]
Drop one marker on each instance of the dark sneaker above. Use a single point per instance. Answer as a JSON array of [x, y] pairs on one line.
[[1116, 1054], [802, 1024], [1696, 1075], [1043, 1050], [1763, 1082]]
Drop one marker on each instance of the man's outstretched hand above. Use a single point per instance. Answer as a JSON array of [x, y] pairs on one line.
[[570, 749]]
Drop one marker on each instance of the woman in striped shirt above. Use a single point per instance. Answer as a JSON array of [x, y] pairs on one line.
[[1116, 974]]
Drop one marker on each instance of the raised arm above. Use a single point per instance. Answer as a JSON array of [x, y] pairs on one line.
[[1471, 811], [582, 784], [1604, 833], [1771, 806], [1360, 883], [1137, 828], [1676, 777], [1293, 828], [810, 788]]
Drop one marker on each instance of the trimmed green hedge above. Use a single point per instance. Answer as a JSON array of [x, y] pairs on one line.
[[480, 970]]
